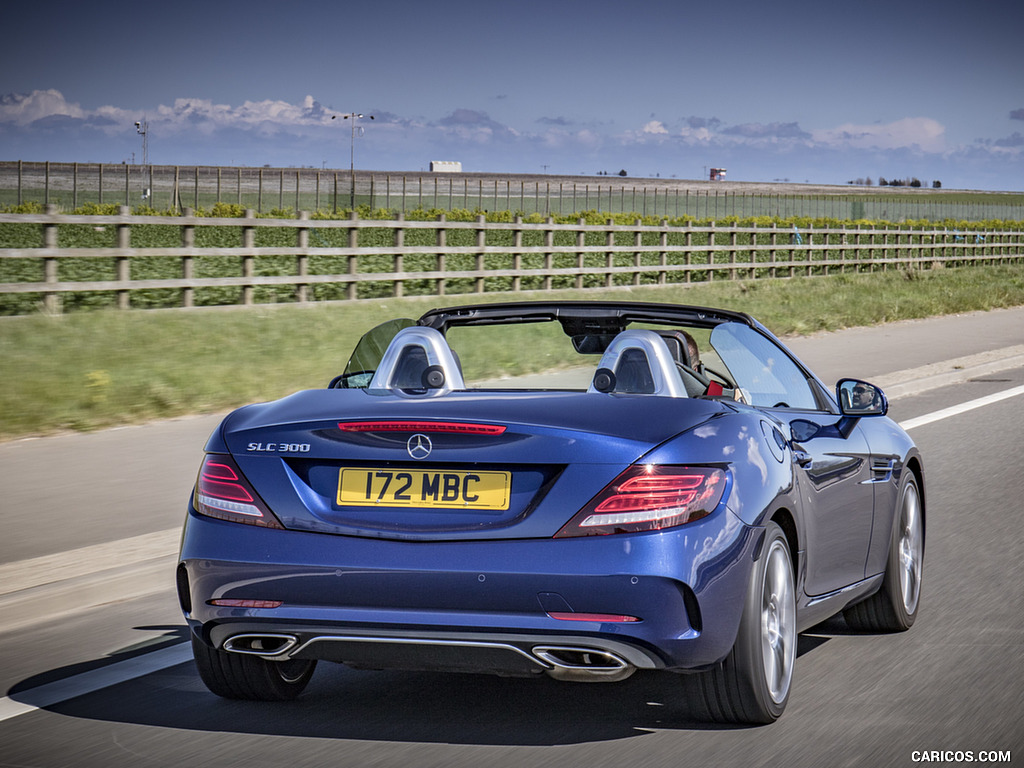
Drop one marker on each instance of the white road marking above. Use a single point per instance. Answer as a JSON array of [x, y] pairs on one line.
[[955, 410], [94, 680], [85, 561]]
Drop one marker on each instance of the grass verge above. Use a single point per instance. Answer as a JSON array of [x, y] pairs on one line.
[[98, 369]]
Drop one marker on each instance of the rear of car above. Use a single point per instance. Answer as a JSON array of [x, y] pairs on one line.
[[430, 535]]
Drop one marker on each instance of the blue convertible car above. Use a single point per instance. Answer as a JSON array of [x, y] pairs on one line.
[[670, 489]]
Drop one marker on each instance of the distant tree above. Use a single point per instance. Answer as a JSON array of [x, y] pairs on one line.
[[936, 184], [882, 182], [868, 182], [623, 172], [915, 182]]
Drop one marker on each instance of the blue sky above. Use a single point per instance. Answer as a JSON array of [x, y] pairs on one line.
[[803, 90]]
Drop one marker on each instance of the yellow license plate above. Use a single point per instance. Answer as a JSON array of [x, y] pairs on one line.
[[365, 487]]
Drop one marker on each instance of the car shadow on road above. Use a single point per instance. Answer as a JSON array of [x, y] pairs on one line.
[[343, 703]]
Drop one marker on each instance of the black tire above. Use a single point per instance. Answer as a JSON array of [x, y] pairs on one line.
[[752, 684], [242, 676], [894, 607]]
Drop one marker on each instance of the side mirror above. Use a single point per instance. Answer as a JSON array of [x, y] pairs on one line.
[[858, 399]]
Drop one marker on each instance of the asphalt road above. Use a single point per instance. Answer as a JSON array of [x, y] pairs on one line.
[[109, 686]]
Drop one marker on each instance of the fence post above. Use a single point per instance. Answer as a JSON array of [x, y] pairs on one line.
[[123, 262], [353, 260], [663, 256], [609, 258], [772, 255], [517, 256], [481, 241], [549, 244], [689, 251], [188, 240], [842, 251], [810, 251], [711, 246], [248, 260], [638, 243], [442, 239], [581, 242], [302, 260], [732, 251], [51, 301], [399, 285], [753, 252]]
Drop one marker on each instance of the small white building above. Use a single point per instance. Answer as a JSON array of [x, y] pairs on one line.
[[445, 166]]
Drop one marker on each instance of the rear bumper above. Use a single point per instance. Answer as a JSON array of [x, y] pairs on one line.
[[517, 607]]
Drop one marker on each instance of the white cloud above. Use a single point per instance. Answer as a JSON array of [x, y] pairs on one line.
[[183, 114], [922, 133], [22, 109]]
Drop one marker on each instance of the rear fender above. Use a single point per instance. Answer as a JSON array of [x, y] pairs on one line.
[[753, 450]]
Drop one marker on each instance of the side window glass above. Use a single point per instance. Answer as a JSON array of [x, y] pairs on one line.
[[764, 372]]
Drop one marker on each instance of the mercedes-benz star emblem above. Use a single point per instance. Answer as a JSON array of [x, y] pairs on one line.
[[419, 446]]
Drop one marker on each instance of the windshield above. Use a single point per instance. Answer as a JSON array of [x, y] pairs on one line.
[[368, 353]]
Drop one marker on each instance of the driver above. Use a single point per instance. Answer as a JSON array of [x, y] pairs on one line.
[[864, 397]]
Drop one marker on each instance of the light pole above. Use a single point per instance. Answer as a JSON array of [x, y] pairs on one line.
[[353, 116], [142, 128]]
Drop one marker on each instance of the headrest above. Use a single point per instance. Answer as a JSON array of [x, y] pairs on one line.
[[638, 362], [417, 362]]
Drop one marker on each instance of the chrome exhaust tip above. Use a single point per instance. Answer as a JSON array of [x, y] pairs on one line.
[[267, 646], [583, 665]]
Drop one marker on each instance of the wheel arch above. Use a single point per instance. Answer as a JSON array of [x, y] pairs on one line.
[[783, 518], [915, 465]]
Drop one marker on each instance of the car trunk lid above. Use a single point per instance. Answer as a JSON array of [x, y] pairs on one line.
[[468, 465]]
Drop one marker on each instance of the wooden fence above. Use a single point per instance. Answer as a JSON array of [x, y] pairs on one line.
[[399, 257]]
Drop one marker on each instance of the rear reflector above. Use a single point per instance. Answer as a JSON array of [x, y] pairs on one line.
[[235, 603], [456, 427], [603, 617]]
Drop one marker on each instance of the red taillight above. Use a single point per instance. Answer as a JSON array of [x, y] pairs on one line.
[[649, 498], [455, 427], [222, 492]]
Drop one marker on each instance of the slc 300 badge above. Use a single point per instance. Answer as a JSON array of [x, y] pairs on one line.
[[278, 447]]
